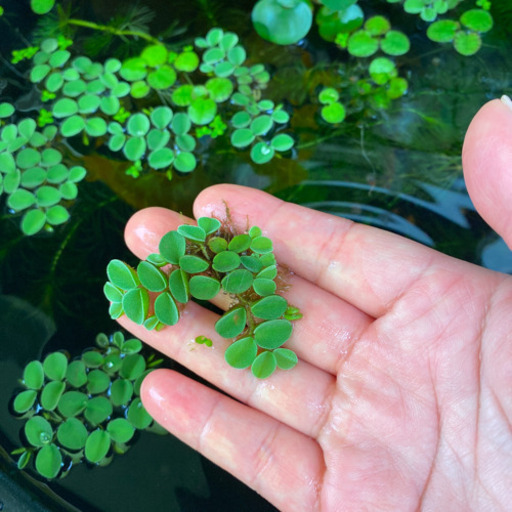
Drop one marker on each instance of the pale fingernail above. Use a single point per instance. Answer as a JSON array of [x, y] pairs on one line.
[[507, 101]]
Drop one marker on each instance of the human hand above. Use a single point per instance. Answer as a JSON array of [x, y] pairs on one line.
[[401, 399]]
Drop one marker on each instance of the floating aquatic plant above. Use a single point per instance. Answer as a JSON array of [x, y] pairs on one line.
[[83, 410], [198, 262]]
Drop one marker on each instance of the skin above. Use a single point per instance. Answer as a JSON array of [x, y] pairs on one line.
[[401, 399]]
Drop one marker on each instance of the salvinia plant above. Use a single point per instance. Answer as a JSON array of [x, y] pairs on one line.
[[372, 44], [150, 109], [198, 262], [84, 410]]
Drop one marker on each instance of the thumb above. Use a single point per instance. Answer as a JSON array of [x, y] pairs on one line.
[[487, 164]]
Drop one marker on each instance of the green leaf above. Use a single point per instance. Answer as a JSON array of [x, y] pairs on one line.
[[226, 261], [135, 148], [33, 221], [120, 430], [51, 394], [122, 275], [137, 415], [202, 111], [26, 128], [180, 123], [48, 461], [75, 374], [96, 126], [38, 431], [20, 200], [133, 69], [24, 401], [240, 243], [477, 20], [68, 191], [72, 403], [261, 125], [97, 382], [186, 61], [237, 55], [132, 346], [109, 105], [237, 281], [55, 365], [395, 43], [185, 162], [282, 142], [209, 224], [56, 215], [203, 287], [377, 25], [193, 264], [97, 446], [98, 409], [242, 353], [269, 272], [196, 233], [161, 117], [138, 125], [242, 137], [154, 55], [158, 139], [39, 73], [182, 95], [333, 113], [166, 310], [217, 244], [232, 323], [172, 247], [6, 110], [251, 263], [151, 277], [161, 158], [72, 434], [42, 7], [72, 126], [362, 44], [264, 365], [467, 44], [270, 307], [92, 358], [261, 153], [32, 178], [178, 285], [186, 142], [264, 287], [161, 78], [272, 333], [282, 22], [442, 31], [133, 366], [121, 392], [54, 82], [220, 89], [33, 375], [74, 88], [136, 305], [28, 157], [261, 245]]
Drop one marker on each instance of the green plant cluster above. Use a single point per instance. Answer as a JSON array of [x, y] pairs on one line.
[[464, 33], [86, 409], [34, 178], [199, 261], [343, 22], [95, 100]]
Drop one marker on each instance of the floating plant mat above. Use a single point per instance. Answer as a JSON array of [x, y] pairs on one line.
[[306, 138]]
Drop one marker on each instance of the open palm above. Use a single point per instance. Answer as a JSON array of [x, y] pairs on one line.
[[401, 399]]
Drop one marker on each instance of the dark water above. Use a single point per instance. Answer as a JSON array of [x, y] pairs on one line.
[[401, 172]]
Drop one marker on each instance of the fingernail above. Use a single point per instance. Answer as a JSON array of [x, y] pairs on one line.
[[507, 101]]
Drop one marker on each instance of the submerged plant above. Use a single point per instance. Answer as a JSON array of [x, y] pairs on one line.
[[199, 261], [87, 409]]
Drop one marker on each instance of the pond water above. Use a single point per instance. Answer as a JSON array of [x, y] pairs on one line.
[[399, 170]]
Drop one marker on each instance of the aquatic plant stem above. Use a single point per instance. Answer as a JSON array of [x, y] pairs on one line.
[[113, 30]]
